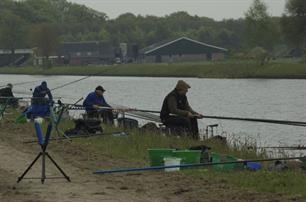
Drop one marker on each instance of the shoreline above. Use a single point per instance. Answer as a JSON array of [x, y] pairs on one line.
[[217, 70], [161, 76]]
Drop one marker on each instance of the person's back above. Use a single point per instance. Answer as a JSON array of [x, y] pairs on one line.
[[40, 105], [94, 99], [8, 96], [176, 112], [94, 103], [40, 93], [174, 104]]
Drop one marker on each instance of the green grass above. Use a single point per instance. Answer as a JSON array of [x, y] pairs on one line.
[[290, 182], [221, 69], [133, 148], [135, 145]]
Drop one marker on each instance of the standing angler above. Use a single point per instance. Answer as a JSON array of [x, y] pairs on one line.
[[176, 112], [40, 105]]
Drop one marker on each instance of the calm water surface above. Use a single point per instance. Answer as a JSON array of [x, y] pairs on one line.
[[252, 98]]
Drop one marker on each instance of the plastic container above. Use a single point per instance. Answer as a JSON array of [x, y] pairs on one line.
[[172, 161], [188, 156], [253, 166], [230, 166], [217, 158], [157, 156]]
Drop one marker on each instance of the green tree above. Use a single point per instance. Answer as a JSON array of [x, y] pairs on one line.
[[294, 23], [12, 32], [207, 35], [260, 29]]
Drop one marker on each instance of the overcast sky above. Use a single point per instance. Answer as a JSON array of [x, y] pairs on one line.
[[217, 9]]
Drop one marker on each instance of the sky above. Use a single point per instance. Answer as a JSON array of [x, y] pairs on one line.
[[216, 9]]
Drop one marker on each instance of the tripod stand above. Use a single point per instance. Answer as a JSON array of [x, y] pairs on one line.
[[43, 143]]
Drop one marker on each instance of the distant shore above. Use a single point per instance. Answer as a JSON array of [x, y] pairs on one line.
[[225, 69]]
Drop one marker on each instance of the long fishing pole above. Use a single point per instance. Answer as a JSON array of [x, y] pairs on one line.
[[282, 147], [66, 105], [21, 83], [228, 118], [192, 165], [284, 122], [66, 84], [69, 83], [25, 98], [296, 123], [118, 133]]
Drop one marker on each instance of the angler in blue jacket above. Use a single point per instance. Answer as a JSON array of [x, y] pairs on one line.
[[93, 103], [40, 105], [40, 92]]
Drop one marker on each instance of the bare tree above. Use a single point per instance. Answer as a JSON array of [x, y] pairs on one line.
[[46, 38]]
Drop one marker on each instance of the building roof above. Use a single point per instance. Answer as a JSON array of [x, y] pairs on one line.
[[187, 43], [17, 51], [97, 47]]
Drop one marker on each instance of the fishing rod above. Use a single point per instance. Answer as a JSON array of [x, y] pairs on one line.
[[27, 98], [282, 147], [194, 165], [21, 83], [82, 136], [67, 105], [75, 81], [71, 82], [272, 121], [284, 122]]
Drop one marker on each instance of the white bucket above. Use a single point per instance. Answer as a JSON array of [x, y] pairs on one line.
[[172, 161]]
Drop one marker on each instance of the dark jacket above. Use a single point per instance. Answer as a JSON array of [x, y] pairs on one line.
[[175, 104], [93, 99], [40, 92], [6, 92]]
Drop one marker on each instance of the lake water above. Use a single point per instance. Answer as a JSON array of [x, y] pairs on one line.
[[248, 98]]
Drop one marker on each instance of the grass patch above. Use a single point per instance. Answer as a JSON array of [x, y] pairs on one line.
[[290, 182], [220, 69], [133, 148]]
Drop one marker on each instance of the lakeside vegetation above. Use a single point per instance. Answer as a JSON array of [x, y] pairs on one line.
[[133, 149], [220, 69]]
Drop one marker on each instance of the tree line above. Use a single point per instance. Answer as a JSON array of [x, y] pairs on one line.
[[46, 23]]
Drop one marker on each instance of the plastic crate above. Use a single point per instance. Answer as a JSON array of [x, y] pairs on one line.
[[157, 156], [188, 156]]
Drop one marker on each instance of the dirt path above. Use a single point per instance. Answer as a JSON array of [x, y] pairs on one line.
[[86, 187]]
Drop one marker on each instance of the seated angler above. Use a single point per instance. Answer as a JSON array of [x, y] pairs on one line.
[[7, 96], [176, 112], [94, 104]]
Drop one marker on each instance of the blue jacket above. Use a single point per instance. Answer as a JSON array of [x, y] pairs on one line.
[[40, 92], [93, 99]]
